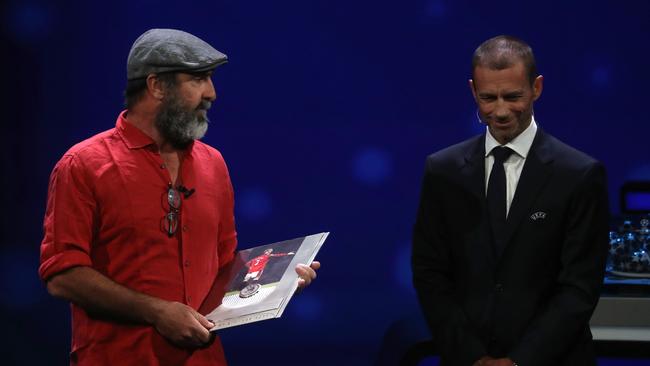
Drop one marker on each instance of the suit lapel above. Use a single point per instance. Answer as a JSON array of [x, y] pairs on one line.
[[473, 177], [473, 169], [533, 177]]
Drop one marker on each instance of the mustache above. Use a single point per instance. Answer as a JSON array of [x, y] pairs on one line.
[[204, 105]]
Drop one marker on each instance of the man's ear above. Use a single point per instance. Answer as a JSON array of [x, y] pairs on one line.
[[473, 89], [155, 87], [538, 85]]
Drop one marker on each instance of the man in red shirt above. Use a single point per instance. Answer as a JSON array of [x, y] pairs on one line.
[[139, 218]]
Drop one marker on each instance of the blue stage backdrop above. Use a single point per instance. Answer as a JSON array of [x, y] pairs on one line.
[[325, 114]]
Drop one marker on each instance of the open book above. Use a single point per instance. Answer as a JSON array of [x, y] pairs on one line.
[[259, 282]]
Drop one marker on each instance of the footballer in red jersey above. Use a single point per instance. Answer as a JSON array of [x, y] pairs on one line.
[[256, 265]]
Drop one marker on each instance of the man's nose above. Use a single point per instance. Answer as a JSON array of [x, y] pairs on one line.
[[501, 111], [209, 92]]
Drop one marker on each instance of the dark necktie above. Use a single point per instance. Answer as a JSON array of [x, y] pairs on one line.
[[496, 194]]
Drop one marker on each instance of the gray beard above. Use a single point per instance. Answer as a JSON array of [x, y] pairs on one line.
[[178, 125]]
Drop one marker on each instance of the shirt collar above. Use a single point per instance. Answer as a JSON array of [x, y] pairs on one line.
[[136, 139], [520, 144], [132, 136]]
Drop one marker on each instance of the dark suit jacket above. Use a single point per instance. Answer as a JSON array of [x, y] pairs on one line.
[[530, 298]]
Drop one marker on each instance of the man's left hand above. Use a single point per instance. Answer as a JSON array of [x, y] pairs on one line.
[[306, 273], [498, 362]]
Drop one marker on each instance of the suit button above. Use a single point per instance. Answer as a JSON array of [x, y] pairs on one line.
[[498, 287]]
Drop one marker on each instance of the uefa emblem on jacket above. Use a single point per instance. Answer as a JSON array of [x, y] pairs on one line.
[[539, 215]]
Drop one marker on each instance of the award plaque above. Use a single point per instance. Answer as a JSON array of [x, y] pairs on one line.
[[259, 282]]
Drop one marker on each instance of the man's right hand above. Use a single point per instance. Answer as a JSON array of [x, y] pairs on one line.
[[96, 293], [489, 361], [182, 325]]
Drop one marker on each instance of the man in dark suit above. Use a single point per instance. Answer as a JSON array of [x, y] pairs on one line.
[[510, 241]]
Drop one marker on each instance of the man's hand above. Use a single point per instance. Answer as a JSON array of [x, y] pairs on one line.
[[99, 295], [182, 325], [306, 273], [482, 361], [498, 362]]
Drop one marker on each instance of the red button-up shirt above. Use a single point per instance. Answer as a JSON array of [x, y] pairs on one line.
[[106, 207]]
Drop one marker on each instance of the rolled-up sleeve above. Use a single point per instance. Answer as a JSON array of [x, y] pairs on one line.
[[69, 219]]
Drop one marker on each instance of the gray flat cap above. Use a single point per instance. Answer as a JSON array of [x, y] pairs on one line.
[[166, 50]]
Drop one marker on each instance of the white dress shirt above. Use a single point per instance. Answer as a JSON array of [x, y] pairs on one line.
[[515, 162]]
